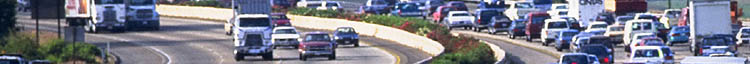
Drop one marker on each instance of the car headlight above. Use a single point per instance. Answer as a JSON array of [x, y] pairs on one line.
[[336, 37]]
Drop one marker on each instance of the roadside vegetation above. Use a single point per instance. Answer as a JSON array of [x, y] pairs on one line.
[[458, 50]]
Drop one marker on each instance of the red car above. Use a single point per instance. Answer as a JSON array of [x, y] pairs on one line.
[[441, 12], [534, 24], [280, 19]]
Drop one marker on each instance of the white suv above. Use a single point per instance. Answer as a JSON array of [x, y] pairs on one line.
[[652, 55], [551, 28]]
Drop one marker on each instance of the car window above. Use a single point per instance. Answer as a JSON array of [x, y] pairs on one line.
[[653, 42], [673, 14], [556, 25], [561, 7], [599, 26], [624, 19], [109, 1], [562, 13], [524, 5], [569, 34], [279, 17], [489, 13], [575, 59], [331, 4], [641, 26], [596, 50], [680, 29], [9, 61], [379, 2], [285, 31], [313, 5], [254, 22], [141, 2], [458, 4], [745, 30], [345, 30], [715, 42], [461, 14], [666, 51], [520, 23], [539, 19], [646, 53], [317, 37], [651, 17], [616, 28]]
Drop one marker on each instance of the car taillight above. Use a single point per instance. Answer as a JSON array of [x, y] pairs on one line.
[[669, 57], [700, 50], [479, 20], [606, 60], [399, 12], [515, 30], [574, 63], [675, 34]]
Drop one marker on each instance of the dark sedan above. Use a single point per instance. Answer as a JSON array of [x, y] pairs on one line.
[[346, 36]]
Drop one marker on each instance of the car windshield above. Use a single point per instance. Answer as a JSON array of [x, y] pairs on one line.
[[539, 19], [616, 28], [647, 17], [745, 30], [285, 31], [680, 29], [317, 37], [557, 25], [461, 14], [141, 2], [563, 13], [488, 14], [458, 4], [575, 59], [254, 22], [411, 6], [331, 4], [561, 7], [599, 26], [109, 1], [569, 34], [345, 30], [673, 14], [715, 42], [641, 26], [520, 23], [646, 53], [279, 17], [524, 5], [596, 50]]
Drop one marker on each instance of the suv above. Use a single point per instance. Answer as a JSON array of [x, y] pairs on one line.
[[707, 44], [487, 17], [346, 36], [11, 59], [534, 24], [652, 55], [407, 9], [252, 36], [458, 19], [604, 53], [285, 36], [563, 41], [551, 28], [317, 44]]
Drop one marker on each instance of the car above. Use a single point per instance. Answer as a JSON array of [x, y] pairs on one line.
[[431, 5], [743, 35], [638, 37], [638, 26], [669, 17], [578, 58], [621, 20], [280, 19], [587, 34], [441, 12], [492, 4], [551, 29], [534, 24], [719, 51], [558, 10], [517, 28], [707, 45], [11, 59], [607, 17], [604, 53], [597, 25], [317, 44], [542, 5], [649, 41], [322, 5], [281, 4], [346, 36], [652, 55], [596, 31], [679, 34], [458, 19], [564, 39], [285, 36], [376, 7], [615, 33], [518, 9], [600, 39], [487, 17], [648, 16], [408, 9], [574, 24], [576, 43], [460, 5]]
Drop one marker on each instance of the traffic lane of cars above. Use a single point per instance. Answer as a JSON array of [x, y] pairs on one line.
[[406, 55]]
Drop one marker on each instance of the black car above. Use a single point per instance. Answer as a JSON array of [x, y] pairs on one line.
[[714, 41], [346, 36], [602, 52], [517, 28], [490, 19]]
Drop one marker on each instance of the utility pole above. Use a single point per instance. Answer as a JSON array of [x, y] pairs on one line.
[[57, 9], [36, 13]]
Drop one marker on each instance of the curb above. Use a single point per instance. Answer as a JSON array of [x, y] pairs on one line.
[[189, 17], [554, 54], [499, 53]]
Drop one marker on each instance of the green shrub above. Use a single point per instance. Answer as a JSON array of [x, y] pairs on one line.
[[17, 43], [478, 55], [56, 50]]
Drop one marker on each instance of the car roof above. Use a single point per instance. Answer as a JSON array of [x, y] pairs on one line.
[[596, 30], [745, 28], [455, 12], [553, 5], [569, 30], [578, 53], [599, 22], [648, 47], [639, 20], [316, 32], [284, 27], [641, 34], [555, 20]]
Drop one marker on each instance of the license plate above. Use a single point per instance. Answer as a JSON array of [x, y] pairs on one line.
[[109, 27], [145, 22], [347, 42], [503, 24]]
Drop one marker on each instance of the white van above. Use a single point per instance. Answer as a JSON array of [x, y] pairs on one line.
[[633, 27]]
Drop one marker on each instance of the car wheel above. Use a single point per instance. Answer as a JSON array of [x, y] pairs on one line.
[[510, 35], [558, 49], [302, 57], [332, 57], [268, 56], [670, 44], [528, 38], [356, 44], [239, 57], [545, 44]]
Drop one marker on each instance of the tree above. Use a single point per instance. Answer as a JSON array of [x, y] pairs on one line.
[[7, 16]]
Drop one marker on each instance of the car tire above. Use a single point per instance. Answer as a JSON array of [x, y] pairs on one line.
[[670, 43], [268, 56], [356, 44], [559, 49], [238, 57], [510, 35], [302, 57], [528, 38], [332, 57]]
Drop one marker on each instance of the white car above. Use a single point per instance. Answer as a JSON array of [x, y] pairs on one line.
[[518, 9], [743, 35], [551, 28], [558, 10], [652, 55], [633, 27], [321, 5], [458, 19], [285, 36], [578, 58], [597, 25]]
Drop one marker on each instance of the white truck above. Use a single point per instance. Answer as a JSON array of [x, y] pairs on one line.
[[142, 14], [586, 11], [96, 15], [707, 18], [252, 28]]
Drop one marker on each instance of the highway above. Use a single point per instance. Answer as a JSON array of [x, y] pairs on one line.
[[189, 41]]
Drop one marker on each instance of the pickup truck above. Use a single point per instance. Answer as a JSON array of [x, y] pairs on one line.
[[551, 29], [317, 44]]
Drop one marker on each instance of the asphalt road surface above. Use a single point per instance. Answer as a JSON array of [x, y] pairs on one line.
[[188, 41]]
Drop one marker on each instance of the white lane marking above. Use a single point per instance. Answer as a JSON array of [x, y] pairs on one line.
[[221, 58], [423, 60]]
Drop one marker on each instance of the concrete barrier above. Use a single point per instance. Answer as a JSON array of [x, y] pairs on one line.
[[194, 12], [397, 35], [499, 53]]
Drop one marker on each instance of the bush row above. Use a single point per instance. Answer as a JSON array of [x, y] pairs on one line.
[[458, 50], [56, 51]]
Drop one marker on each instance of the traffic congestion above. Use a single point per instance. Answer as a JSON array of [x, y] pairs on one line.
[[529, 31]]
